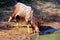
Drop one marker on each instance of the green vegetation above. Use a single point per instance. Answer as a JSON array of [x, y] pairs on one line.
[[53, 36]]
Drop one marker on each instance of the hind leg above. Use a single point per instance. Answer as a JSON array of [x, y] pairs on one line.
[[10, 19]]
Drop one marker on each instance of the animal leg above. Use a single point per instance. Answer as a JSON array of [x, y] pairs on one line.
[[10, 19], [34, 27]]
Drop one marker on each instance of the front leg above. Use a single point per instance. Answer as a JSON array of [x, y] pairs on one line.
[[34, 27], [26, 20]]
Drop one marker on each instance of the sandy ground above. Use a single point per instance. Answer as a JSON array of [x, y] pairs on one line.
[[14, 34], [21, 33]]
